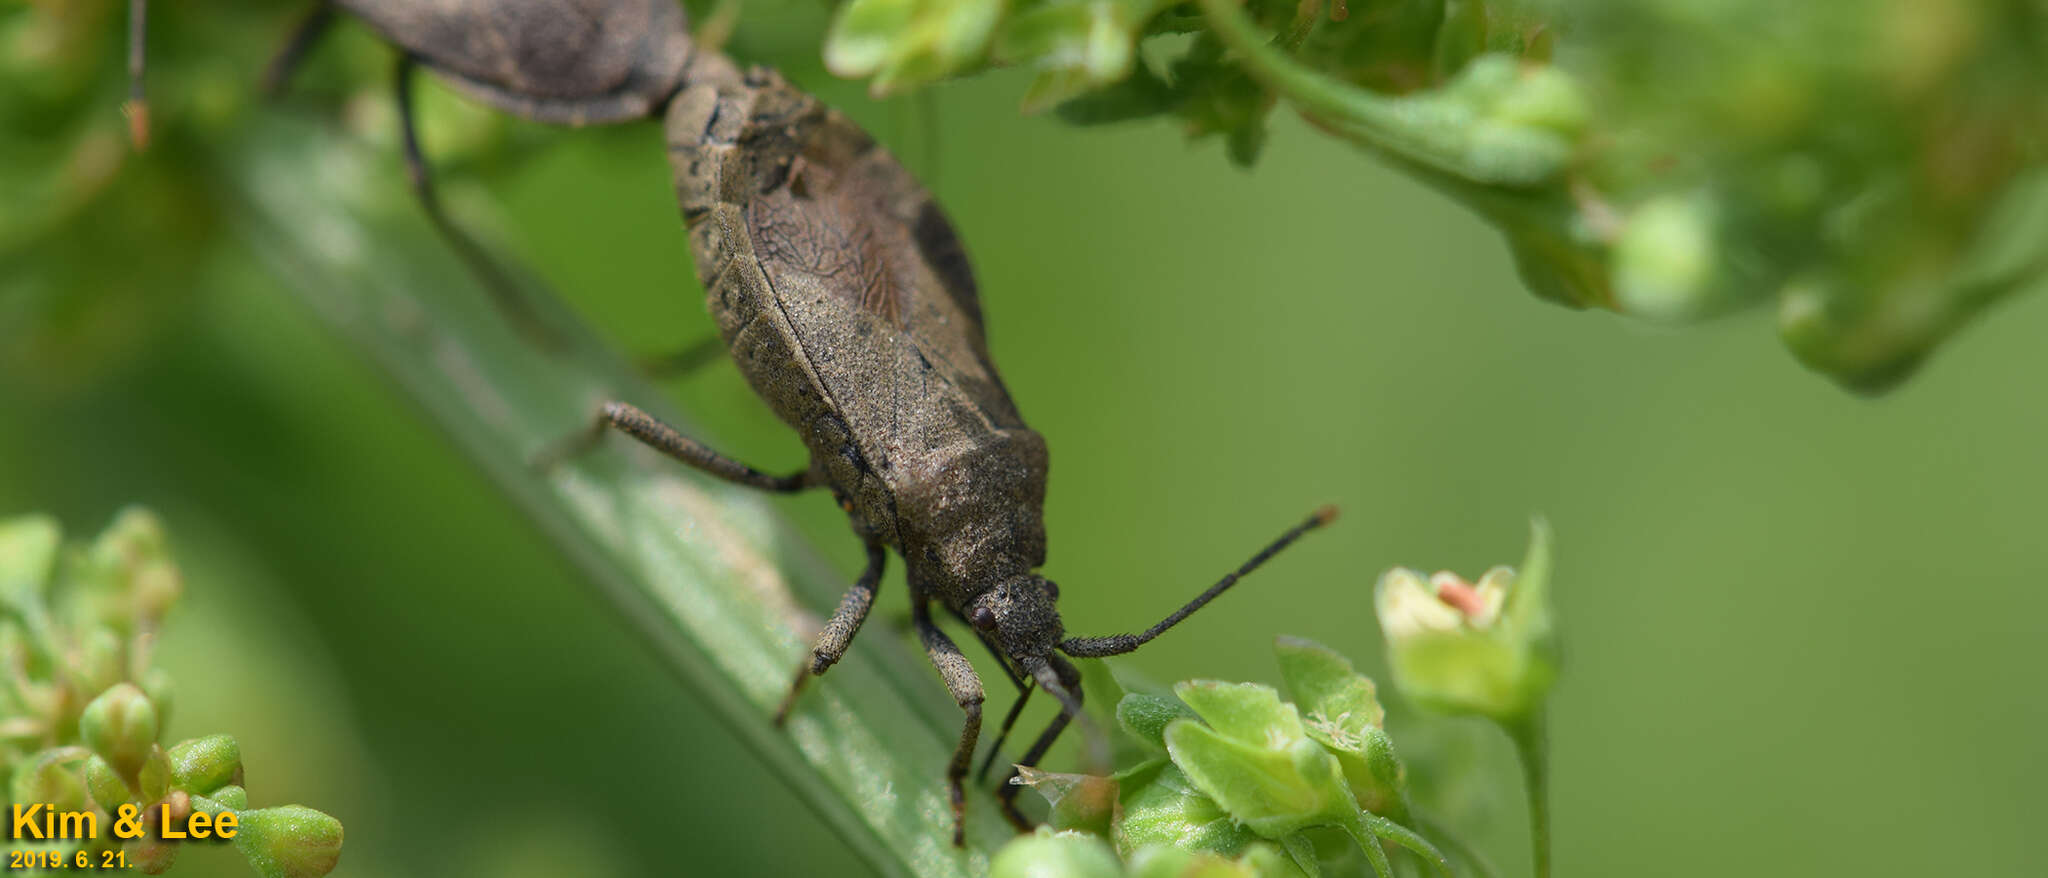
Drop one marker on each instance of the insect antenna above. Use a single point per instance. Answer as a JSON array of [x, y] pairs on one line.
[[1118, 644]]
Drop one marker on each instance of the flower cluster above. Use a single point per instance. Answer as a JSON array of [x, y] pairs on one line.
[[1237, 782], [1232, 779], [82, 709]]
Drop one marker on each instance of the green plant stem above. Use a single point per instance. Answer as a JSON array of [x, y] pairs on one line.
[[1456, 844], [1416, 129], [1532, 748], [1369, 843]]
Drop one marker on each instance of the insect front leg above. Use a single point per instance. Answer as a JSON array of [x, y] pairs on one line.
[[1070, 677], [965, 686], [839, 630], [650, 431], [1023, 685], [1002, 734]]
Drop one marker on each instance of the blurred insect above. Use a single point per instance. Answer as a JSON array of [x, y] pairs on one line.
[[848, 304], [570, 62]]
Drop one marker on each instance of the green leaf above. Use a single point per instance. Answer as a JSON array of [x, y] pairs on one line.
[[1255, 759], [907, 43], [1345, 716], [1327, 687], [1162, 807], [1247, 712], [1146, 717]]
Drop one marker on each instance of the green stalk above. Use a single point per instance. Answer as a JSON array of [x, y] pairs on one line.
[[716, 583], [1460, 848], [1532, 748]]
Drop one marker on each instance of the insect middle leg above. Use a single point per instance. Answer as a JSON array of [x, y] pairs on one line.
[[839, 630], [650, 431], [965, 687], [684, 361]]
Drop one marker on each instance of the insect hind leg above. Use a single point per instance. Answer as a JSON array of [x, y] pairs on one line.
[[304, 36], [497, 282]]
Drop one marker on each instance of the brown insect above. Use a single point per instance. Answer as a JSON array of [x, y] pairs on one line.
[[843, 295], [847, 302]]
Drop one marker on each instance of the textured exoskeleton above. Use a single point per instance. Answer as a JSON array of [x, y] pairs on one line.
[[570, 62]]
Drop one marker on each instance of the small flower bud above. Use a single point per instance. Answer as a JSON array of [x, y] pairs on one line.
[[132, 544], [120, 725], [153, 856], [230, 798], [28, 552], [1049, 854], [105, 785], [98, 664], [153, 853], [1466, 648], [1343, 713], [51, 777], [203, 765], [1260, 860], [157, 684], [155, 776], [289, 841], [157, 586], [175, 808]]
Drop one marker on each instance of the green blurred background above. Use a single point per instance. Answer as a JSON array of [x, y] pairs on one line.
[[1803, 630]]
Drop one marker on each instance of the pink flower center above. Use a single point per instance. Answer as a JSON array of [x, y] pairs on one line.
[[1458, 594]]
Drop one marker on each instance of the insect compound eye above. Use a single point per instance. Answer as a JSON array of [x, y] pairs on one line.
[[982, 618], [1052, 590]]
